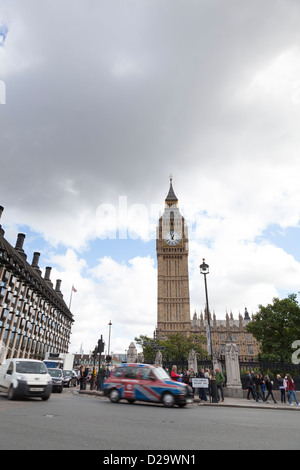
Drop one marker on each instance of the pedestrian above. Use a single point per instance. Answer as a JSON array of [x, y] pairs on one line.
[[174, 375], [101, 377], [291, 390], [191, 376], [185, 376], [85, 377], [250, 386], [93, 379], [81, 378], [213, 389], [282, 387], [207, 375], [220, 379], [263, 386], [180, 376], [257, 384], [202, 390], [269, 387]]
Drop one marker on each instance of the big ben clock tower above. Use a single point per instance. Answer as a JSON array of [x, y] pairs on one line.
[[173, 297]]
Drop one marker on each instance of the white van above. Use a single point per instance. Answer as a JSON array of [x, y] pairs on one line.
[[25, 378]]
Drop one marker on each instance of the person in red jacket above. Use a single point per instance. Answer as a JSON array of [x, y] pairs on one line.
[[291, 390], [174, 375]]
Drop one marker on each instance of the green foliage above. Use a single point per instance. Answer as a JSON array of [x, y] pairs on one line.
[[176, 346], [276, 327], [142, 341]]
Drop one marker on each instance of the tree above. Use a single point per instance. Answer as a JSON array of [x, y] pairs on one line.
[[176, 346], [146, 344], [276, 327]]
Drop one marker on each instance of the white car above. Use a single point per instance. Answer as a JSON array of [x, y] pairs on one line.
[[25, 378]]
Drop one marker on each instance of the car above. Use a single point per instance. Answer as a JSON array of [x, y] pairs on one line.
[[21, 378], [68, 378], [57, 379], [146, 382]]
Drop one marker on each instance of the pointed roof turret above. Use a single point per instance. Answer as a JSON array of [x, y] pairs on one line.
[[171, 198]]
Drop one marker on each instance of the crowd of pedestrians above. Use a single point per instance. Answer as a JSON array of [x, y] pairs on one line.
[[261, 388], [205, 393], [94, 378]]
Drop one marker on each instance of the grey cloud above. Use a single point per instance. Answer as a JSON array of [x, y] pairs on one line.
[[113, 96]]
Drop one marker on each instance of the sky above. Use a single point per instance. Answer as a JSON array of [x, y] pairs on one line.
[[101, 101]]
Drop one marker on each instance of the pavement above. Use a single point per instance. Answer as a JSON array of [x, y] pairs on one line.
[[228, 402]]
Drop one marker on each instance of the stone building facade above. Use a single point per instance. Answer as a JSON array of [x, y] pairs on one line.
[[34, 318], [247, 345]]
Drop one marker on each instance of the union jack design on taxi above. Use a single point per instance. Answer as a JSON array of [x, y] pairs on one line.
[[145, 382]]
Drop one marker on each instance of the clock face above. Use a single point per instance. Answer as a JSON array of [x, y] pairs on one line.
[[172, 238]]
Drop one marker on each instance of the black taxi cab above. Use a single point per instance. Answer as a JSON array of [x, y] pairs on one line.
[[146, 382]]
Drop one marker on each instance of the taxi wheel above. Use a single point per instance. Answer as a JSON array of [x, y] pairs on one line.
[[114, 396], [168, 400]]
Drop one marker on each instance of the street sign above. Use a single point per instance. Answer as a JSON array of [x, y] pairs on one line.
[[200, 383], [160, 348]]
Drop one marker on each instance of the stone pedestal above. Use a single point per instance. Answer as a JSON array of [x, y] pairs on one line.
[[233, 387]]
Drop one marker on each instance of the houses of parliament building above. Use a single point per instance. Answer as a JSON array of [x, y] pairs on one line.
[[173, 297]]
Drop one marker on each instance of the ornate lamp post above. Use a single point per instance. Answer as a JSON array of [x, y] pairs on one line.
[[204, 269], [108, 354]]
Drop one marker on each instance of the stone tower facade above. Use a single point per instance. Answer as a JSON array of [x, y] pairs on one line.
[[173, 295], [173, 303]]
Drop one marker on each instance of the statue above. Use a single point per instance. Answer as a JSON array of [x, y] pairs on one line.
[[159, 359], [132, 353], [216, 358], [192, 361], [234, 385]]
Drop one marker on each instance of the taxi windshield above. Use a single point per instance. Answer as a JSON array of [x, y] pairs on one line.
[[161, 373]]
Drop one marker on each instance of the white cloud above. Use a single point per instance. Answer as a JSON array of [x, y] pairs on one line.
[[124, 294]]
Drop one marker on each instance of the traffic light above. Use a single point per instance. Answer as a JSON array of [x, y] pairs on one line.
[[100, 345], [94, 353]]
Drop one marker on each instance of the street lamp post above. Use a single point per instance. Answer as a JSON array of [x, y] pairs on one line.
[[110, 324], [204, 269]]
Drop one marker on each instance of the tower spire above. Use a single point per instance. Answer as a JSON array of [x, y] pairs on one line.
[[171, 198]]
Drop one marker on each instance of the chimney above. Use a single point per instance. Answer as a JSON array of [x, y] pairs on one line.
[[20, 241], [57, 288], [35, 259], [19, 245], [1, 210], [58, 284], [47, 274]]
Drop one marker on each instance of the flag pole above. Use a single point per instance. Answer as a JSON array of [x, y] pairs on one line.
[[71, 298], [72, 290]]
